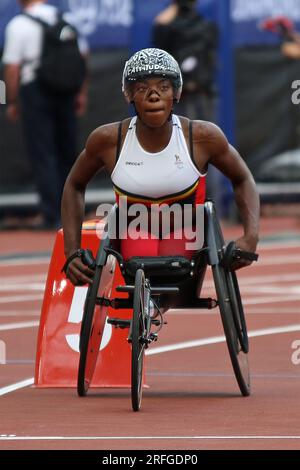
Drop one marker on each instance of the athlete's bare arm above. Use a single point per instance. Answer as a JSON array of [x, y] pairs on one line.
[[226, 158], [99, 153]]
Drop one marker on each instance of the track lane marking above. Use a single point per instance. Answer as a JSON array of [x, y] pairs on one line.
[[20, 313], [12, 437], [16, 386], [281, 259], [32, 286], [271, 300], [25, 261], [250, 311], [19, 298], [221, 339], [177, 346], [19, 325], [22, 279]]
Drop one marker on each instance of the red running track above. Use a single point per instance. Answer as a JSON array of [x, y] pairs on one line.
[[193, 401]]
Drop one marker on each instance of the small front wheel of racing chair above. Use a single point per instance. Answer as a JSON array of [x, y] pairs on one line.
[[228, 296]]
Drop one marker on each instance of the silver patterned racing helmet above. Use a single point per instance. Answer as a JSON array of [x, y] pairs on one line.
[[148, 63]]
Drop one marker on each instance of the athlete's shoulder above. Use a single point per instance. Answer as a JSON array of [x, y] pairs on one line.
[[206, 130], [105, 136], [203, 131], [209, 136]]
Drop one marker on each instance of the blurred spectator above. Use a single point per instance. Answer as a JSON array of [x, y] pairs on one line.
[[47, 96], [285, 28], [291, 48], [192, 40]]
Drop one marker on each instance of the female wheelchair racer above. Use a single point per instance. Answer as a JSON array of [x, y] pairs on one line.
[[159, 158]]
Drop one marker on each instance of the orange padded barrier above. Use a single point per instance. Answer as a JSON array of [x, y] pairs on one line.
[[58, 340]]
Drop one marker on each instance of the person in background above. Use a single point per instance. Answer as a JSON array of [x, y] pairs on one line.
[[193, 42], [48, 98], [285, 28], [291, 48]]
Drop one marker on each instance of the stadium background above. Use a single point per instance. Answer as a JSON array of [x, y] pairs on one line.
[[254, 83]]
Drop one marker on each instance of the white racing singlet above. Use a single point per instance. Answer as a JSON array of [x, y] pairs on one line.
[[167, 176]]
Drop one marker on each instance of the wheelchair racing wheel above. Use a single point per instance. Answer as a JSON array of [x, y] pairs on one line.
[[138, 343], [226, 300], [238, 310], [93, 322], [232, 314]]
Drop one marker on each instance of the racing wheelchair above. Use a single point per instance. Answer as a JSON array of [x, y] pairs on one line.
[[154, 285]]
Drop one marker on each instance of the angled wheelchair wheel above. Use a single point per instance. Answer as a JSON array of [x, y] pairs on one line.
[[138, 334], [93, 322], [238, 310], [231, 310], [227, 300]]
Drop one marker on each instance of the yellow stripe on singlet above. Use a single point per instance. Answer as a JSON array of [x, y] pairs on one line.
[[167, 199]]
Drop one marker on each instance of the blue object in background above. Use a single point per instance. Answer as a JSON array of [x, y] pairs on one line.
[[107, 23], [103, 23], [128, 23]]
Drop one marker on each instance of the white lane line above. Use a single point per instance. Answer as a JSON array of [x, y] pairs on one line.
[[25, 261], [285, 245], [271, 289], [246, 284], [284, 259], [37, 286], [260, 279], [274, 331], [22, 279], [19, 326], [250, 300], [220, 339], [20, 313], [12, 437], [19, 298], [265, 260], [16, 386], [268, 278], [271, 300], [177, 346], [250, 311], [273, 310]]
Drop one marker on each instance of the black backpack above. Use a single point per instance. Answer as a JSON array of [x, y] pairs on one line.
[[62, 68]]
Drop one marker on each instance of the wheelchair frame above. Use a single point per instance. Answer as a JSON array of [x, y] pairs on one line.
[[143, 291]]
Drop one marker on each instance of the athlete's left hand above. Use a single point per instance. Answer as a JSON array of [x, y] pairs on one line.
[[245, 243]]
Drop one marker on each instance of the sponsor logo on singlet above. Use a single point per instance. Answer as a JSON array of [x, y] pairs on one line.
[[135, 163], [178, 162]]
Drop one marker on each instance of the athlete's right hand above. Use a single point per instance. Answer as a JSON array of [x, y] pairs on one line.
[[78, 273], [79, 266]]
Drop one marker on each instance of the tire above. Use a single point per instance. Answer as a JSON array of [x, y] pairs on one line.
[[93, 322], [138, 331], [239, 358], [232, 315], [238, 310]]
